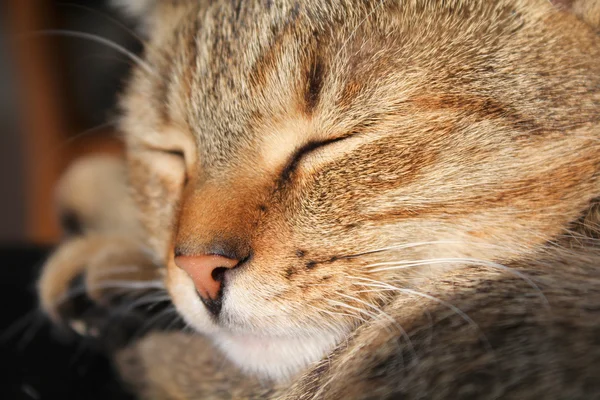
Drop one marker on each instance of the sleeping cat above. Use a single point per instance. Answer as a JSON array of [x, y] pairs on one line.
[[352, 199]]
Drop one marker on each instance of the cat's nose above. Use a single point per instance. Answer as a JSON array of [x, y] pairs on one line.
[[207, 272]]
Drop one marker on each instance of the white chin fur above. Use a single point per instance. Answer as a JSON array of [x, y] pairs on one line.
[[274, 358]]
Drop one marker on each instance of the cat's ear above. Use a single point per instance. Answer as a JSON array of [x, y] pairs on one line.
[[586, 10]]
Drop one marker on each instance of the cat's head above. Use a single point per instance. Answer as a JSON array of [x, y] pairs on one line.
[[296, 162]]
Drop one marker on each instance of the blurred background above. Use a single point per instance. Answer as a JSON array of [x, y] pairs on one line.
[[57, 102], [58, 92]]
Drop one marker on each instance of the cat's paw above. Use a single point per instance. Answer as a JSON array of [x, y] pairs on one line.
[[196, 370], [96, 283], [101, 272]]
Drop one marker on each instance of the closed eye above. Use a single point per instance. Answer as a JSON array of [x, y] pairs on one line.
[[303, 151], [168, 152], [176, 153], [169, 161]]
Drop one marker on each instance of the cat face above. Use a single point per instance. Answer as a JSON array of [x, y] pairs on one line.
[[313, 156]]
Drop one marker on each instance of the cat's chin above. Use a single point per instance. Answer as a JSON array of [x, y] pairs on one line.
[[274, 358], [271, 356]]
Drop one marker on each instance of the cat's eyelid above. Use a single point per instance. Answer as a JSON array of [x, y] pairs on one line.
[[171, 141], [166, 150], [306, 149]]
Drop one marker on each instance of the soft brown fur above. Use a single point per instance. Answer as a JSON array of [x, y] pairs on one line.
[[455, 140]]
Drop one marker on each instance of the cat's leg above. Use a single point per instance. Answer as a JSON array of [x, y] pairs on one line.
[[89, 277]]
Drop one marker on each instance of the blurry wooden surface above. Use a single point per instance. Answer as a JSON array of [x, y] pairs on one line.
[[44, 118]]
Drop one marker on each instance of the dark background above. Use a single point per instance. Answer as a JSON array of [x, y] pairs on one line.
[[57, 103], [38, 360]]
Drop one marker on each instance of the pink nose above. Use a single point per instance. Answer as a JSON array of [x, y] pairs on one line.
[[206, 272]]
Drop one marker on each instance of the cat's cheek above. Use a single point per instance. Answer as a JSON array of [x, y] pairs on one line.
[[156, 193]]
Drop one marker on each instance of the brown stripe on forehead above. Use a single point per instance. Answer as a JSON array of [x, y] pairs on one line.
[[314, 84]]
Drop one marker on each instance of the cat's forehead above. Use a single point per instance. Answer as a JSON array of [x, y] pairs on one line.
[[234, 77], [246, 77], [254, 76]]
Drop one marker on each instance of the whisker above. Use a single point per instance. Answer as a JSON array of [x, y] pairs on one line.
[[387, 316], [20, 324], [155, 320], [86, 132], [115, 21], [115, 312], [385, 286], [373, 316], [120, 270], [108, 284], [358, 310], [429, 327], [30, 332], [176, 319], [398, 265], [98, 39], [153, 299], [125, 285], [468, 261], [418, 244], [331, 313]]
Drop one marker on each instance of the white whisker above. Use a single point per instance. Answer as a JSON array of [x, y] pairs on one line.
[[329, 324], [468, 261], [331, 313], [388, 317], [126, 285], [121, 270], [98, 39], [385, 286], [108, 284], [107, 17], [355, 309], [155, 320], [419, 244], [153, 299]]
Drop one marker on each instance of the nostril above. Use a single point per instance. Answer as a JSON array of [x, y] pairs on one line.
[[207, 272], [218, 274]]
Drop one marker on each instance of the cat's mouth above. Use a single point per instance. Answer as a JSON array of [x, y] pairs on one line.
[[276, 352], [212, 305]]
